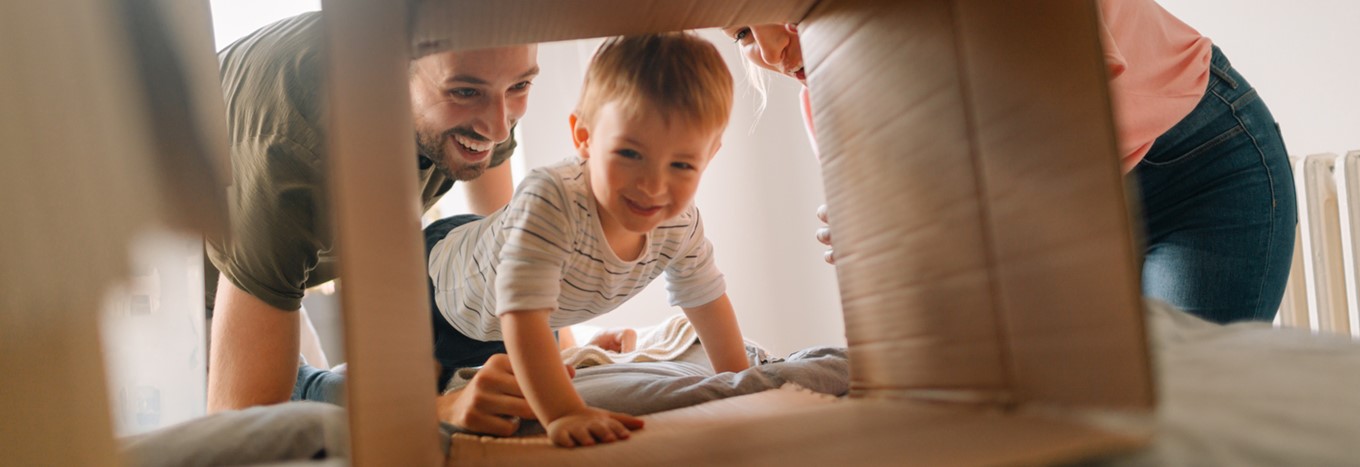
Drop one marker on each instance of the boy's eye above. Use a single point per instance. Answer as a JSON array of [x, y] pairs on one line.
[[463, 92], [682, 165], [628, 153]]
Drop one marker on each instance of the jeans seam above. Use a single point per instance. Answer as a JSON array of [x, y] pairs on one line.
[[1274, 202]]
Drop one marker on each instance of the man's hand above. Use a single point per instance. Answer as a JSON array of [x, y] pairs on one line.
[[621, 340], [824, 235], [491, 403], [590, 426]]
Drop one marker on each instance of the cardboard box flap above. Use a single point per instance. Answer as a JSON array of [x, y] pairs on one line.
[[982, 238], [778, 427], [468, 24]]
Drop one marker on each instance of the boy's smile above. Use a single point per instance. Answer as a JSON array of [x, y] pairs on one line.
[[644, 169]]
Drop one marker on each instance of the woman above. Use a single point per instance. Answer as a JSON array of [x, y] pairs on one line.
[[1215, 183]]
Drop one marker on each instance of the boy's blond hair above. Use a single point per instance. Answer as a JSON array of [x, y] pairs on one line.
[[675, 73]]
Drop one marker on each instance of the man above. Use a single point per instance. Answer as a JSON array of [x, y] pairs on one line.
[[464, 105]]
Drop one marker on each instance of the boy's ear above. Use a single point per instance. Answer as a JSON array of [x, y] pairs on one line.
[[580, 135]]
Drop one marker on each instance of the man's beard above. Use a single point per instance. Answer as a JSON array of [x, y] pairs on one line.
[[434, 147]]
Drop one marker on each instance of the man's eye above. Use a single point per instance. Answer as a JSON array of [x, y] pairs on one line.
[[520, 86], [463, 92]]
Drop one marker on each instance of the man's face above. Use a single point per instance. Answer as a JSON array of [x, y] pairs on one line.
[[464, 103]]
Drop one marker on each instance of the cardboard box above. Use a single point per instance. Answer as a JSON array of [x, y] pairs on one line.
[[984, 245]]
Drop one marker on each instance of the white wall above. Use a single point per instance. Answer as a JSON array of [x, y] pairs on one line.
[[1303, 57], [758, 201], [758, 198]]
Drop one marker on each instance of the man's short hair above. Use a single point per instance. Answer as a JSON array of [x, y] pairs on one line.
[[675, 73]]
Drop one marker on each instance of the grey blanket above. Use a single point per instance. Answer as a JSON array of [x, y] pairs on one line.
[[301, 431]]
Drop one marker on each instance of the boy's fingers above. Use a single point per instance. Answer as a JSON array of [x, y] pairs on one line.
[[829, 256], [563, 438], [821, 212], [582, 436], [628, 421], [604, 432]]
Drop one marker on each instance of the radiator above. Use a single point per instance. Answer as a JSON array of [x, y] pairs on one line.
[[1323, 293]]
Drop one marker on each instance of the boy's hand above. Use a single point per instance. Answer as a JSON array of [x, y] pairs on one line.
[[824, 235], [621, 340], [590, 426]]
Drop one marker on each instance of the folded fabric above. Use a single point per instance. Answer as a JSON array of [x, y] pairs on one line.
[[285, 432], [660, 343]]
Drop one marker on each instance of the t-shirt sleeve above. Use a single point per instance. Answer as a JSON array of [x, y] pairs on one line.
[[274, 241], [538, 233], [272, 81], [693, 279]]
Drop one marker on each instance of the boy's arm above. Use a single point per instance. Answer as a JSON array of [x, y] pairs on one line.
[[537, 365], [538, 368], [717, 326]]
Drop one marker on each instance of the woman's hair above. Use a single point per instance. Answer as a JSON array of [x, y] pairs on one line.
[[760, 82], [675, 73]]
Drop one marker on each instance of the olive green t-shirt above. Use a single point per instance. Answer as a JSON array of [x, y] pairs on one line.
[[280, 242]]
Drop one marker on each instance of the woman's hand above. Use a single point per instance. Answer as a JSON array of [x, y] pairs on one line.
[[621, 340], [824, 235], [590, 426]]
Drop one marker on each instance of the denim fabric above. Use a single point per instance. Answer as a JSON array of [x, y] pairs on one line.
[[1218, 206], [315, 384], [453, 350]]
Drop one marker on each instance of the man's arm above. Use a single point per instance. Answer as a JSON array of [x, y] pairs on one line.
[[716, 324], [491, 191], [254, 351]]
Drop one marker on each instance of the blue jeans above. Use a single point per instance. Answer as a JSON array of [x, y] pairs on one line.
[[453, 350], [1218, 206]]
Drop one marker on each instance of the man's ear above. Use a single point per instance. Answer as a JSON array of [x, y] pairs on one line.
[[580, 135]]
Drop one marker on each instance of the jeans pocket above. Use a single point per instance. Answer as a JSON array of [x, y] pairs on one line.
[[1207, 146]]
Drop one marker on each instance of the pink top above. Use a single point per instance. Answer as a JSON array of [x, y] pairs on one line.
[[1159, 69]]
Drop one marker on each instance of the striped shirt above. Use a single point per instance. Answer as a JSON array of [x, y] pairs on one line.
[[546, 250]]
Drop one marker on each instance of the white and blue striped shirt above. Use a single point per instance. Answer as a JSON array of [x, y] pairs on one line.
[[545, 250]]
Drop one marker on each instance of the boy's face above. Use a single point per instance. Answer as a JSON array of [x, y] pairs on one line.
[[642, 171]]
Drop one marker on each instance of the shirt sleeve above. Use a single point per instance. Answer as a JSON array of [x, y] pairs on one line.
[[274, 241], [538, 237], [693, 279], [279, 226]]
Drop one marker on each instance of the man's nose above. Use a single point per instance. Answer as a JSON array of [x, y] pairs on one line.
[[494, 121]]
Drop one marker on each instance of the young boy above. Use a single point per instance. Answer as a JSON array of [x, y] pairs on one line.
[[582, 236]]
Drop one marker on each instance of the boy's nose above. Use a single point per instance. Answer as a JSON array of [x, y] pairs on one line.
[[652, 185]]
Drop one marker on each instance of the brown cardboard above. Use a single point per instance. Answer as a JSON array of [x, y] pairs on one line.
[[1010, 276], [983, 242], [79, 178], [791, 428], [377, 220], [470, 24]]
